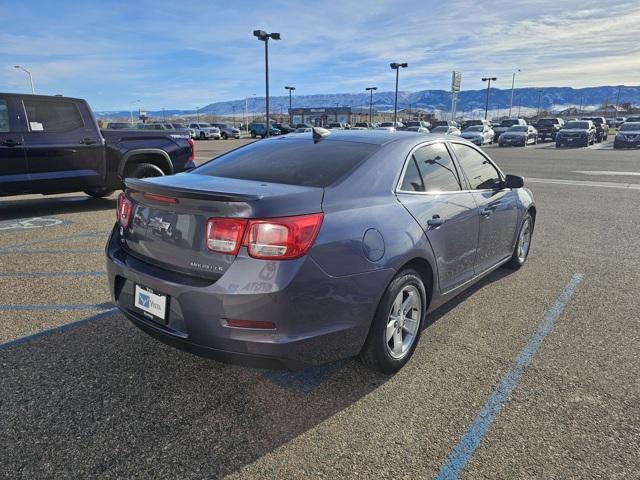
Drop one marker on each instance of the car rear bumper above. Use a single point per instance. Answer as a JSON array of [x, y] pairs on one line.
[[617, 143], [318, 318]]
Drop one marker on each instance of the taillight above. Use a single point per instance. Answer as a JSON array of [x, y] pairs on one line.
[[224, 235], [192, 155], [282, 238], [125, 207]]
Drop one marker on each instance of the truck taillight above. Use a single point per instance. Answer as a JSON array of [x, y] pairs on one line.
[[125, 207], [283, 238], [192, 155]]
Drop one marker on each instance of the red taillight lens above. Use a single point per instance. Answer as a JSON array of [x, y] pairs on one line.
[[125, 207], [282, 238], [224, 235], [191, 143]]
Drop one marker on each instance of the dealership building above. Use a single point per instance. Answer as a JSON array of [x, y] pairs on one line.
[[325, 115]]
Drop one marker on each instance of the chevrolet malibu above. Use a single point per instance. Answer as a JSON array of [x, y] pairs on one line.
[[312, 247]]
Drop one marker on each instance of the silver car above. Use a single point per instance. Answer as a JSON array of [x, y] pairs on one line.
[[478, 134]]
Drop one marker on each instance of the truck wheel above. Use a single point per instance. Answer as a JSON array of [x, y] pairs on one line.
[[99, 192], [145, 170], [225, 136], [253, 134], [202, 136]]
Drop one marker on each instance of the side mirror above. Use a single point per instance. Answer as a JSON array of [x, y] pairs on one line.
[[513, 181]]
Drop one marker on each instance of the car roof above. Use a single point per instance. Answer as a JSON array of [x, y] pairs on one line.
[[378, 137]]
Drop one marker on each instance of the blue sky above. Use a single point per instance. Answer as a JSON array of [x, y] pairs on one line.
[[184, 54]]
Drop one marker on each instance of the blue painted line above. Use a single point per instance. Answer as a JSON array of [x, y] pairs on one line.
[[306, 380], [55, 239], [63, 328], [54, 306], [51, 274], [470, 441], [52, 251]]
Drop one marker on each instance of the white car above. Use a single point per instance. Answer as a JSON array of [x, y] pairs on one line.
[[203, 131], [446, 130], [478, 134]]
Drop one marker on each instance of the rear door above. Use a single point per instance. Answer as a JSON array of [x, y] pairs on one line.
[[64, 149], [434, 193], [14, 175], [497, 206]]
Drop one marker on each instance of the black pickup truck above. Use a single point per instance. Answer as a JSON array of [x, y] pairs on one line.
[[549, 128], [53, 145]]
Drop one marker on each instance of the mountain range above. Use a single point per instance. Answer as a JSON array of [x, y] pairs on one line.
[[550, 98]]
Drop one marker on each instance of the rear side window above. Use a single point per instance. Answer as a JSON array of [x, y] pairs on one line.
[[4, 117], [290, 161], [482, 175], [431, 168], [52, 116]]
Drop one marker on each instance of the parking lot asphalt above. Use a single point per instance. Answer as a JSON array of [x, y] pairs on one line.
[[97, 398]]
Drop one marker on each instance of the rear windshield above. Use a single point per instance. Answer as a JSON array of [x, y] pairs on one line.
[[519, 128], [290, 161], [630, 127], [548, 121], [508, 123]]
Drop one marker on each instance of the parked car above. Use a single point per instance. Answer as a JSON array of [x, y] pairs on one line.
[[337, 125], [291, 252], [118, 125], [628, 136], [632, 120], [444, 123], [303, 125], [52, 144], [602, 129], [505, 125], [549, 128], [417, 129], [447, 130], [472, 123], [179, 126], [227, 131], [478, 134], [152, 126], [303, 130], [397, 126], [362, 126], [417, 123], [616, 122], [521, 135], [578, 133], [284, 128], [204, 131], [260, 130]]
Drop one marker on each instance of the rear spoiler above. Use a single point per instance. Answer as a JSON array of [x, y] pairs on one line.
[[140, 185]]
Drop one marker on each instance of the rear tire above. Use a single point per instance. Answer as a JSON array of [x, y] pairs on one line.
[[253, 134], [202, 136], [397, 324], [523, 244], [99, 192], [225, 136], [145, 170]]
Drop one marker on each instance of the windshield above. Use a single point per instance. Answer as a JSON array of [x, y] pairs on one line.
[[508, 123], [630, 127], [577, 125], [475, 128], [547, 121], [518, 128], [204, 125]]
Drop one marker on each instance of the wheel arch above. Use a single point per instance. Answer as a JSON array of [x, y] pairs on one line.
[[426, 272], [154, 156]]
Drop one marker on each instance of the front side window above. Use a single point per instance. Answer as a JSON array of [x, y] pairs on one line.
[[4, 117], [431, 169], [52, 116], [482, 175]]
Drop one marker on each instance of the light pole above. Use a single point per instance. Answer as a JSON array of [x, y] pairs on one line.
[[513, 82], [539, 97], [233, 107], [291, 89], [486, 105], [198, 113], [371, 90], [618, 100], [397, 66], [19, 67], [264, 37]]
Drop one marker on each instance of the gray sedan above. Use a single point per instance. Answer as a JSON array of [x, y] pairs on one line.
[[305, 249]]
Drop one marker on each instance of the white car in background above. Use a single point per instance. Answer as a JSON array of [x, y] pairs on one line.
[[446, 130], [204, 131], [478, 134]]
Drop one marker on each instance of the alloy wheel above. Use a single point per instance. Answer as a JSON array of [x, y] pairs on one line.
[[524, 241], [403, 322]]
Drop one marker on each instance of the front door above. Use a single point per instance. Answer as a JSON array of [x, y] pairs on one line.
[[14, 175], [432, 191], [65, 151], [497, 207]]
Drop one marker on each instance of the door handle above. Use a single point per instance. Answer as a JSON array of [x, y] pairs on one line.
[[10, 143], [88, 141], [486, 212], [435, 221]]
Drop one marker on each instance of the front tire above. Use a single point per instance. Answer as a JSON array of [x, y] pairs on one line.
[[202, 136], [523, 244], [225, 136], [397, 324]]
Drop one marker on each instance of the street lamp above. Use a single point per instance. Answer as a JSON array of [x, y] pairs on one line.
[[291, 89], [264, 37], [396, 67], [539, 97], [370, 90], [513, 81], [19, 67], [486, 105]]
